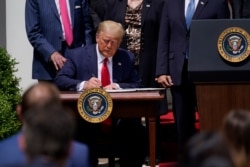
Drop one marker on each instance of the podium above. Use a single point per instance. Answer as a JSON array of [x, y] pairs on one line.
[[221, 76], [128, 105]]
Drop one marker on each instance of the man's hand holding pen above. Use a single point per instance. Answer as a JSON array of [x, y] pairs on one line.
[[94, 82]]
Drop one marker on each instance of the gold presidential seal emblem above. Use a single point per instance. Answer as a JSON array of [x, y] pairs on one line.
[[234, 44], [95, 105]]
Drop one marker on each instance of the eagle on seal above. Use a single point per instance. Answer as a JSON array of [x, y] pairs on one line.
[[95, 104]]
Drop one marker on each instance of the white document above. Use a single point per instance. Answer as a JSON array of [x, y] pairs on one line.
[[133, 90]]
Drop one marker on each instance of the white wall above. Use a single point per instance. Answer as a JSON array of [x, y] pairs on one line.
[[17, 43]]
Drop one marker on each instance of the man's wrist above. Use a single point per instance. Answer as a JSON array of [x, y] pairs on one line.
[[81, 86]]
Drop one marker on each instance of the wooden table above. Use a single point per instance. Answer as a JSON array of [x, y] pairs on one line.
[[129, 105]]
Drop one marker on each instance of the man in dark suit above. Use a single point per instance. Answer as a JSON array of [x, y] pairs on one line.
[[241, 8], [46, 33], [38, 95], [82, 71], [172, 57]]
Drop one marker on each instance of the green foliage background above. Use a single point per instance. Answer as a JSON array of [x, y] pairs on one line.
[[10, 95]]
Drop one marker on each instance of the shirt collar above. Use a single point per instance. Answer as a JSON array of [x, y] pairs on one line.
[[100, 57]]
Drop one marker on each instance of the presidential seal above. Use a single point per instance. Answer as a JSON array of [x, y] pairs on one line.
[[95, 105], [234, 44]]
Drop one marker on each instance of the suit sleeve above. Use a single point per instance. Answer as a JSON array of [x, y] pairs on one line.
[[224, 12], [162, 49], [65, 77], [108, 12], [95, 18], [237, 6], [88, 22], [33, 30], [130, 77]]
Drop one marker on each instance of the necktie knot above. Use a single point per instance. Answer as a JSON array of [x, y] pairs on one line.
[[105, 61]]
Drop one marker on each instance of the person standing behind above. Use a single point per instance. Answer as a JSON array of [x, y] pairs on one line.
[[241, 9], [53, 27], [141, 21], [206, 149], [38, 95], [172, 57]]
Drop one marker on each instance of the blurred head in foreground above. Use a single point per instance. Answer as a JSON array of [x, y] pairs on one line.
[[48, 134]]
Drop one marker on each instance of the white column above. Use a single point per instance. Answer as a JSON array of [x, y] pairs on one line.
[[17, 42]]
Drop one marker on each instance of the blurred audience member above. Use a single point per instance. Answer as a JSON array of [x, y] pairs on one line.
[[38, 95], [215, 161], [236, 129], [203, 147], [47, 137]]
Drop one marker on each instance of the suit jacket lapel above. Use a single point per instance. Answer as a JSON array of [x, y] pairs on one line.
[[145, 9], [200, 6], [182, 8], [116, 68], [53, 7], [92, 60], [72, 11], [121, 13]]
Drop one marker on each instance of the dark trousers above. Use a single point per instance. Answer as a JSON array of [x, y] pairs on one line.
[[184, 108]]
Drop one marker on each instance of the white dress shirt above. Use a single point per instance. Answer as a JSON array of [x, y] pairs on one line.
[[100, 60], [187, 2]]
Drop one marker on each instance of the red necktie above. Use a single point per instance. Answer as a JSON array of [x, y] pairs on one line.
[[105, 77], [66, 22]]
